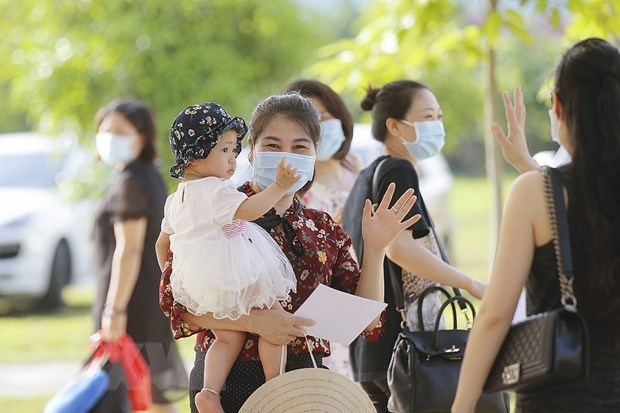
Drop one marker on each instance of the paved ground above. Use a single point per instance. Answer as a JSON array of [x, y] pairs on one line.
[[29, 379]]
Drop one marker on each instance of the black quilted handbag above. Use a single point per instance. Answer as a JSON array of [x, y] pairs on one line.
[[549, 349]]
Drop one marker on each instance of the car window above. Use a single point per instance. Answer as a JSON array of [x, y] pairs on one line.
[[29, 170]]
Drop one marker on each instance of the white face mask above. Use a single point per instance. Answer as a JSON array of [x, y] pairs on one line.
[[266, 163], [553, 123], [430, 138], [116, 150], [332, 137]]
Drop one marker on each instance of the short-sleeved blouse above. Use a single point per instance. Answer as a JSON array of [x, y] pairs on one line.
[[207, 205], [139, 192], [319, 254]]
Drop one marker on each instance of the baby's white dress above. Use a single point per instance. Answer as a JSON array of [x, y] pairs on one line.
[[221, 265]]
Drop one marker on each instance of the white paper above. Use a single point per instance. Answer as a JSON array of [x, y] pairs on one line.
[[339, 317]]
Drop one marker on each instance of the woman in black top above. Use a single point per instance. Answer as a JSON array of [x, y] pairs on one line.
[[586, 118], [408, 120], [126, 227]]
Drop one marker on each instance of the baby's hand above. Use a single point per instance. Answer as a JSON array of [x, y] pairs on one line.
[[286, 175]]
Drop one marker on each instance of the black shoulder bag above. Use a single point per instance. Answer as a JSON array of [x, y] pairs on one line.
[[549, 349], [425, 365]]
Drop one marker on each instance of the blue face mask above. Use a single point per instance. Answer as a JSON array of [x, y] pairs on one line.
[[266, 163], [116, 149], [332, 137], [430, 138]]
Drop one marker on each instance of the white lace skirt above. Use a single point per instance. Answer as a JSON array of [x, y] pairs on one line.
[[230, 276]]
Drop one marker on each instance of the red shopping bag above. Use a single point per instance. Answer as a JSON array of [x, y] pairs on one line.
[[136, 370]]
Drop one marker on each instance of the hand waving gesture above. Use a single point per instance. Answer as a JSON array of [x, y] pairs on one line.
[[513, 144], [380, 228]]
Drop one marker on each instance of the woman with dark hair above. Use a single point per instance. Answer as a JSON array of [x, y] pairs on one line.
[[317, 248], [407, 118], [336, 169], [586, 108], [126, 227]]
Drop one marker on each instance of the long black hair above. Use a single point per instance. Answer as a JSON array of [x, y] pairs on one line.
[[587, 85]]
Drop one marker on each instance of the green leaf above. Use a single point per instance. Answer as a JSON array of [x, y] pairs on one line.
[[491, 28]]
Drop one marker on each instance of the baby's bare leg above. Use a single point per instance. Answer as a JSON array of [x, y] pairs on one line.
[[270, 354], [219, 360]]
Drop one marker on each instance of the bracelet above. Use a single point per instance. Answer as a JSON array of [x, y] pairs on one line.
[[113, 311], [250, 323]]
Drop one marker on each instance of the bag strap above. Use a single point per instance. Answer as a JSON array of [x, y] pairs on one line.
[[554, 197], [397, 282]]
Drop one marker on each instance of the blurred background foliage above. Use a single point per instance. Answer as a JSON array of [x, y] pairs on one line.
[[446, 44], [66, 58]]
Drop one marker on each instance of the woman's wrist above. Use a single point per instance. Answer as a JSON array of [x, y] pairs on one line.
[[252, 320], [113, 311], [378, 252], [526, 164], [250, 325]]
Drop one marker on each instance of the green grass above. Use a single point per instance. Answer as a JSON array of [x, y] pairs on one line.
[[471, 208], [23, 405], [60, 335], [37, 403], [57, 335], [63, 335]]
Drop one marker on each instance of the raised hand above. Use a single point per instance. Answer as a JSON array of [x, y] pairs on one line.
[[286, 175], [514, 144], [380, 228]]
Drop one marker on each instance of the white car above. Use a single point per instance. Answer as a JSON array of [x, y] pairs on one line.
[[44, 239]]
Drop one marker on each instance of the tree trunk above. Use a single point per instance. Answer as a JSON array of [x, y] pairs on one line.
[[493, 155]]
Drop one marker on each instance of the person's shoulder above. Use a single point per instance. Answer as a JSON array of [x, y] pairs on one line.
[[170, 197], [140, 172], [527, 191], [396, 168], [131, 179], [211, 182], [397, 163], [140, 168], [528, 181], [390, 163], [352, 163]]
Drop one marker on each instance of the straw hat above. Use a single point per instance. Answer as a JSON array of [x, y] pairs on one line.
[[309, 390]]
